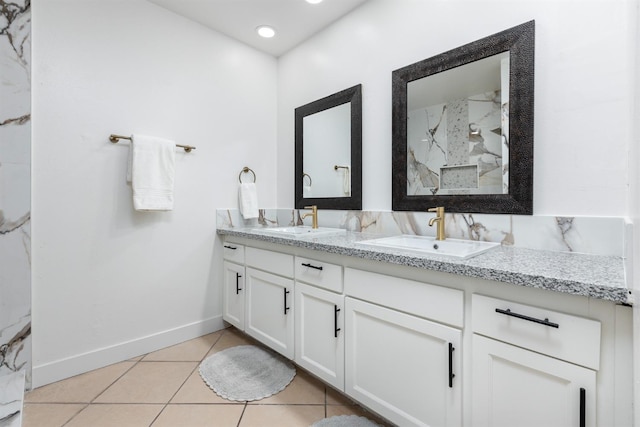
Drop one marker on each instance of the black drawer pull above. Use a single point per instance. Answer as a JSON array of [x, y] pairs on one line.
[[285, 301], [230, 247], [545, 322], [312, 266], [335, 321], [583, 407], [451, 374], [238, 288]]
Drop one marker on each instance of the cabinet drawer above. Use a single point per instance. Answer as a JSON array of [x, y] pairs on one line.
[[421, 299], [321, 274], [273, 262], [233, 252], [563, 336]]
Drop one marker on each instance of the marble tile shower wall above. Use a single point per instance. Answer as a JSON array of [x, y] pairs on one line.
[[15, 191], [590, 235]]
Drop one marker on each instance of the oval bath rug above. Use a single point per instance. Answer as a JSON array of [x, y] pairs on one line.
[[246, 373], [345, 421]]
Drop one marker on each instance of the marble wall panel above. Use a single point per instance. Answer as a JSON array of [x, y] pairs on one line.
[[11, 399], [15, 188], [590, 235]]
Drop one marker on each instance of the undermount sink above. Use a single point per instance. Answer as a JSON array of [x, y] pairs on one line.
[[429, 245], [301, 231]]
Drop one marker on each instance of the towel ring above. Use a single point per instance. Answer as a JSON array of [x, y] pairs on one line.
[[308, 176], [246, 170]]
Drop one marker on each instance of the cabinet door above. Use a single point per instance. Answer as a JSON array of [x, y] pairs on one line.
[[269, 315], [234, 293], [517, 387], [404, 367], [320, 333]]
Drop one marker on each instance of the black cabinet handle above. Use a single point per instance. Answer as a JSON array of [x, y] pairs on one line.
[[238, 288], [285, 301], [230, 247], [312, 266], [451, 374], [545, 322], [335, 321], [583, 407]]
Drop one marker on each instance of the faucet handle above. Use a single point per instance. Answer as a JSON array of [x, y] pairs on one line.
[[438, 210], [312, 207]]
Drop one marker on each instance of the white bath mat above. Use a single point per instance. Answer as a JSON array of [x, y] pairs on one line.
[[246, 373], [345, 421]]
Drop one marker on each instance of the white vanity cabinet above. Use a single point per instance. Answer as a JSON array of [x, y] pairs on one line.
[[270, 299], [319, 328], [532, 367], [401, 361], [428, 348], [233, 302]]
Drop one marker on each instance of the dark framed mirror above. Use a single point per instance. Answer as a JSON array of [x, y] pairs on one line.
[[463, 127], [328, 144]]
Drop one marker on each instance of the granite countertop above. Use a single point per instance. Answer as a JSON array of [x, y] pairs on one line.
[[593, 276]]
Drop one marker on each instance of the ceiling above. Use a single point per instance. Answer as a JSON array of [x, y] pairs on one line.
[[294, 20]]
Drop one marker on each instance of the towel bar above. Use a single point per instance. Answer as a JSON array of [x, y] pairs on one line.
[[115, 138], [246, 170]]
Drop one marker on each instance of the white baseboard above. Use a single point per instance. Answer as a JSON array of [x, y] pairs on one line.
[[79, 364]]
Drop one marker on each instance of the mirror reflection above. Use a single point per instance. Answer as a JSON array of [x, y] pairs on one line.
[[327, 153], [457, 134], [328, 142]]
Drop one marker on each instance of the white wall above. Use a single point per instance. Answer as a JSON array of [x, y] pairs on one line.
[[634, 205], [582, 98], [108, 281]]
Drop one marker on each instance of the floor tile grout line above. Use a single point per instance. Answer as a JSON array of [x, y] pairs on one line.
[[196, 367], [116, 380], [242, 414], [75, 415], [86, 405], [325, 401], [158, 414]]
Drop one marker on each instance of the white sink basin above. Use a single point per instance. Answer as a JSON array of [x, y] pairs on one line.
[[429, 245], [301, 231]]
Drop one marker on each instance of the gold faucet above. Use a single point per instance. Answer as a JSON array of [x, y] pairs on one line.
[[313, 214], [439, 218]]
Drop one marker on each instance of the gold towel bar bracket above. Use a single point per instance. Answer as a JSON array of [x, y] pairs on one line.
[[246, 170], [115, 138]]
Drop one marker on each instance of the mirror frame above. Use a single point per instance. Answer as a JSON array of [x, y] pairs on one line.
[[351, 95], [520, 42]]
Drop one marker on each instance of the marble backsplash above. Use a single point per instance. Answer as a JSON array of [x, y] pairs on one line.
[[15, 190], [590, 235]]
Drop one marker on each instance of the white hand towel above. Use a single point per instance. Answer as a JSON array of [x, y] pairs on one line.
[[152, 173], [248, 200], [130, 162], [346, 181]]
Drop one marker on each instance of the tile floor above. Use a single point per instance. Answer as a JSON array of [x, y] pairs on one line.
[[164, 389]]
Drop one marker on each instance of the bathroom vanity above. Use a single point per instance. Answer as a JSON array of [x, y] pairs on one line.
[[509, 337]]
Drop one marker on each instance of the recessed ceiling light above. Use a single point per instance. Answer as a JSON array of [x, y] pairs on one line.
[[314, 1], [266, 31]]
